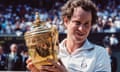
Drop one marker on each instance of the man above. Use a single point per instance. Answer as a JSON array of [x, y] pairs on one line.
[[24, 54], [113, 60], [2, 59], [76, 53], [114, 42], [14, 60]]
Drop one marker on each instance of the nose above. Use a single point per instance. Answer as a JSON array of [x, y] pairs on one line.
[[81, 27]]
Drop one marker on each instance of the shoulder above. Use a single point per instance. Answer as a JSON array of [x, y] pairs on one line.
[[101, 52], [102, 59], [19, 55], [99, 49]]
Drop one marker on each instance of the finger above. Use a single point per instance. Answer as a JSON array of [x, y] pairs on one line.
[[53, 62], [28, 60], [32, 68], [42, 71], [48, 69], [57, 66]]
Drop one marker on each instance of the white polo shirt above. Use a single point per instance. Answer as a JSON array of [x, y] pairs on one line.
[[88, 58]]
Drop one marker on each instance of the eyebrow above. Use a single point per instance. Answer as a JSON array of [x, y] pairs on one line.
[[87, 21], [84, 22]]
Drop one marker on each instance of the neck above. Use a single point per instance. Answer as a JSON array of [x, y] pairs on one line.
[[71, 45], [13, 52]]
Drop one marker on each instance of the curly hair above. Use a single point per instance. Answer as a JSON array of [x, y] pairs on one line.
[[68, 9]]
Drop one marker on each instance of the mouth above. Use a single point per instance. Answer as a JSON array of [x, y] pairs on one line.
[[79, 34]]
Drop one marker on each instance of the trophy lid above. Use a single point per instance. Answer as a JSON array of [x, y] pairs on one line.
[[37, 21], [38, 26]]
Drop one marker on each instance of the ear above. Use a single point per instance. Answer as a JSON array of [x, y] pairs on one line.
[[66, 20]]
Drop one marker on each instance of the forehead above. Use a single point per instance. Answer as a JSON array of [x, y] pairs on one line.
[[80, 13], [0, 48], [13, 46]]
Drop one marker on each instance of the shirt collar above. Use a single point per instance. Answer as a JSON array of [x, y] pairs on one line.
[[86, 46]]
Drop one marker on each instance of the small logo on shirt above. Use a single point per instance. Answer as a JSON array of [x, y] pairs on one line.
[[83, 65]]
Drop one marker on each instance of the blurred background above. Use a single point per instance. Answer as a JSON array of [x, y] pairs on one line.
[[16, 17]]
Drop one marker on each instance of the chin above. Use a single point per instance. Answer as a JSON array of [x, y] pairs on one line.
[[79, 40]]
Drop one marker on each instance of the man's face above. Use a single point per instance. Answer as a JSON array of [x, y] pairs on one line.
[[78, 27], [1, 50], [14, 48]]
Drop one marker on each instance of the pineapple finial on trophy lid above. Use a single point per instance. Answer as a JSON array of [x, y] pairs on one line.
[[37, 20]]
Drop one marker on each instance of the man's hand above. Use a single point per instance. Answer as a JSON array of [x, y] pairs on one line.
[[55, 67], [30, 65]]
